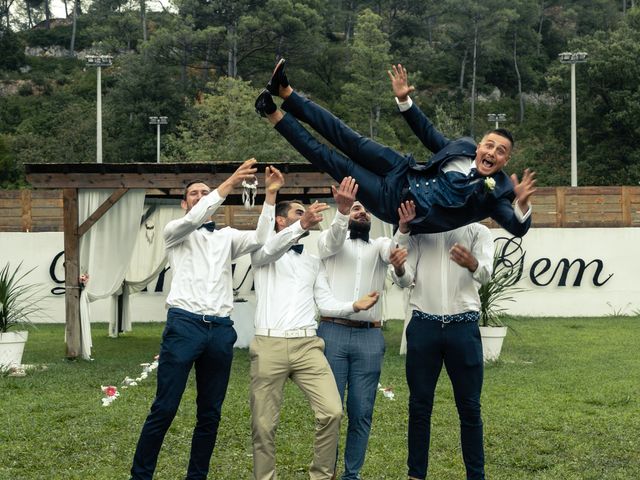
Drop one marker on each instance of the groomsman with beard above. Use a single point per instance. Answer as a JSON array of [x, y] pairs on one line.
[[354, 344]]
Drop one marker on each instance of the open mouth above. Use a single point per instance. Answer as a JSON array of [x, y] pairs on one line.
[[488, 163]]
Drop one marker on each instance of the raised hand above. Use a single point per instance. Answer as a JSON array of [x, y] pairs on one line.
[[366, 302], [463, 257], [246, 171], [525, 188], [313, 215], [406, 213], [400, 82], [345, 194], [273, 179]]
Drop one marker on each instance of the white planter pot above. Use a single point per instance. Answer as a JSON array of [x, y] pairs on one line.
[[492, 338], [12, 348]]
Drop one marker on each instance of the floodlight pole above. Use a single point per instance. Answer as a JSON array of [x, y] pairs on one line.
[[99, 61], [158, 121], [572, 58], [497, 118]]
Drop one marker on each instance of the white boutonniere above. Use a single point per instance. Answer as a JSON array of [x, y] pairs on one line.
[[489, 184]]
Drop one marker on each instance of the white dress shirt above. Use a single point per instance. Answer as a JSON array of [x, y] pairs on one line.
[[354, 267], [464, 165], [201, 260], [441, 286], [289, 285]]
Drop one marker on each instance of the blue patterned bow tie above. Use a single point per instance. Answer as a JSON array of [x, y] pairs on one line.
[[297, 248], [211, 226], [473, 174]]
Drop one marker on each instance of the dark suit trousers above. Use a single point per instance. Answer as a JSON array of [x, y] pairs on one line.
[[380, 171], [187, 340], [458, 346]]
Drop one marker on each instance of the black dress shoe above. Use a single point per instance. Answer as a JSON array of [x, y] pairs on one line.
[[278, 78], [264, 104]]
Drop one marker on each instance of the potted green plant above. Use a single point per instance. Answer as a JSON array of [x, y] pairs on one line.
[[18, 302], [493, 295]]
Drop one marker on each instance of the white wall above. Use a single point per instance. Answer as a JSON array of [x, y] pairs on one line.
[[616, 249]]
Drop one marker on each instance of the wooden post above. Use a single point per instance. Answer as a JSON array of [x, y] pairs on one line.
[[228, 215], [100, 211], [25, 197], [560, 207], [72, 272], [625, 200]]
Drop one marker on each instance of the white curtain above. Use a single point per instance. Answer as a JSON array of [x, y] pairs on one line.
[[105, 251], [148, 260]]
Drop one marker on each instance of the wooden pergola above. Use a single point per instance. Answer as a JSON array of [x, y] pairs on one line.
[[164, 180]]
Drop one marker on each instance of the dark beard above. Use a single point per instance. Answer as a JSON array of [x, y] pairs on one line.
[[360, 227]]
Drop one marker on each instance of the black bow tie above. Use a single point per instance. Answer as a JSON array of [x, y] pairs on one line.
[[211, 226], [355, 234], [473, 174], [297, 248]]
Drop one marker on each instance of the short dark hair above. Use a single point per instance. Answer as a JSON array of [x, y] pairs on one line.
[[283, 207], [503, 132], [186, 189]]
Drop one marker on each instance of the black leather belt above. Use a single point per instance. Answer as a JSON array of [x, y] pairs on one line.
[[352, 323]]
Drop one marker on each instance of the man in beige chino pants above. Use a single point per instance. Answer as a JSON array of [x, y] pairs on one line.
[[289, 283]]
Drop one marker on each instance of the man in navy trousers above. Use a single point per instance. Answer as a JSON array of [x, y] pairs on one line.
[[461, 184]]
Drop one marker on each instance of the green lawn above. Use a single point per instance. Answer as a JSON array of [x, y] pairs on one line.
[[562, 404]]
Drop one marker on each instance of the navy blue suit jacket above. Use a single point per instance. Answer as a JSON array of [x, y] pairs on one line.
[[478, 204]]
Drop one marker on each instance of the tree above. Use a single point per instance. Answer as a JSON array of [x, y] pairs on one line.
[[10, 175], [64, 130], [608, 104], [11, 50], [469, 14], [363, 94], [5, 13], [223, 127], [179, 45], [140, 88], [72, 45]]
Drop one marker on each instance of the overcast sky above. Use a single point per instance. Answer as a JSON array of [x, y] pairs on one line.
[[57, 7]]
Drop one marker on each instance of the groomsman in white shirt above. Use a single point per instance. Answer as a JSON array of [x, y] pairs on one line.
[[354, 343], [287, 280], [199, 330], [446, 270]]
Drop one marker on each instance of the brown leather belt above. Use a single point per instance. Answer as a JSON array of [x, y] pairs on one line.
[[352, 323]]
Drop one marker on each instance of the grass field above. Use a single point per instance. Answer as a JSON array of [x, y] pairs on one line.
[[561, 404]]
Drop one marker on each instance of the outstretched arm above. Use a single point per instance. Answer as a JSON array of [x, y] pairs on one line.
[[516, 218], [249, 241], [332, 240], [504, 214], [273, 182], [400, 83], [524, 189], [177, 230], [246, 171], [417, 120], [279, 243]]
